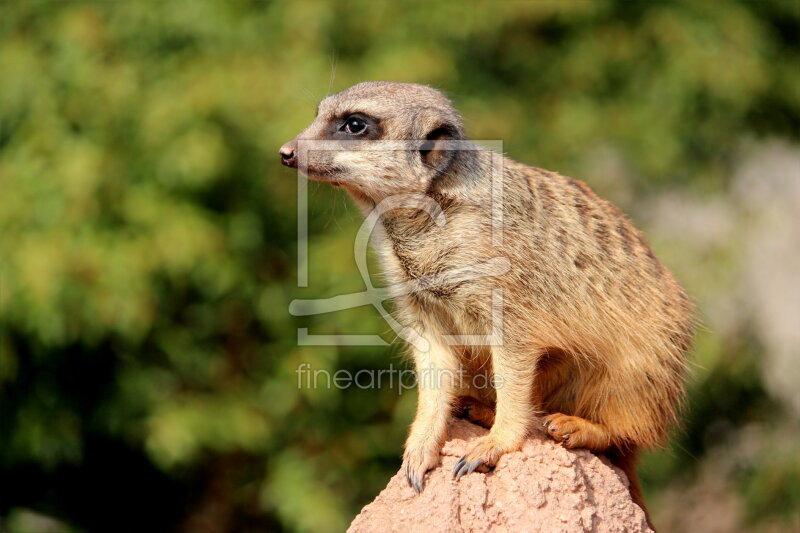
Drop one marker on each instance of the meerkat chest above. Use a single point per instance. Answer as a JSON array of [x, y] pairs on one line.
[[413, 265], [434, 264]]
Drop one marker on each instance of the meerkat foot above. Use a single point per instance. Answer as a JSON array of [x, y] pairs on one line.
[[482, 457], [416, 463], [475, 411], [576, 432]]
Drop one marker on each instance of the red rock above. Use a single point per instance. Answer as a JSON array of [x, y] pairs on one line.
[[543, 487]]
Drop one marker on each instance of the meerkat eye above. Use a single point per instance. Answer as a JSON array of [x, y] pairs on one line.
[[354, 126]]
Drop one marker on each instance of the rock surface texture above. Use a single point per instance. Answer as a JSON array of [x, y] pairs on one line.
[[543, 487]]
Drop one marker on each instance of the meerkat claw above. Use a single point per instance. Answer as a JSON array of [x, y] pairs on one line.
[[463, 467], [413, 481], [458, 466], [416, 484], [416, 481]]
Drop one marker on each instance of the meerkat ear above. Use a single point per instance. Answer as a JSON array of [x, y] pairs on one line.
[[432, 151]]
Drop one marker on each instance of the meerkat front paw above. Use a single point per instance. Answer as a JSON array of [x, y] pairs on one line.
[[416, 462], [483, 455]]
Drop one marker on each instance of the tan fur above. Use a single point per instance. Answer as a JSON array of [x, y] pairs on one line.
[[595, 328]]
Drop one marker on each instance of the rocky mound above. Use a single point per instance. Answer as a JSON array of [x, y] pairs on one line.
[[543, 487]]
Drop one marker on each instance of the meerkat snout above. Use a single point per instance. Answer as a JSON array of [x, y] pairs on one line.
[[289, 154]]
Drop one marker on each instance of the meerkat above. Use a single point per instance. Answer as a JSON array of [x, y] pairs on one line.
[[594, 328]]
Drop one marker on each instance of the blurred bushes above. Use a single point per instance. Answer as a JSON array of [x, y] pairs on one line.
[[147, 231]]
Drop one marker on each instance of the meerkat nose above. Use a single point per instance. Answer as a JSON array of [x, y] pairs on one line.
[[289, 154]]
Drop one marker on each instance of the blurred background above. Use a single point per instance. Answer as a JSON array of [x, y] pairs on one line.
[[148, 243]]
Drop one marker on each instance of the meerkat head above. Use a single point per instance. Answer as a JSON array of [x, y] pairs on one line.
[[420, 117]]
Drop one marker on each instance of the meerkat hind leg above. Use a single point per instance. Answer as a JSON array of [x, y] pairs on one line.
[[577, 432], [475, 411]]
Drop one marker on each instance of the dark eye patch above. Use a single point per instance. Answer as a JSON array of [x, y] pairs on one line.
[[356, 125]]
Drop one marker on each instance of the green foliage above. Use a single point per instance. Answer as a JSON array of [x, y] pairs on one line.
[[148, 243]]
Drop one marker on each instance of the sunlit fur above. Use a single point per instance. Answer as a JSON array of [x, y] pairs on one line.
[[595, 327]]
